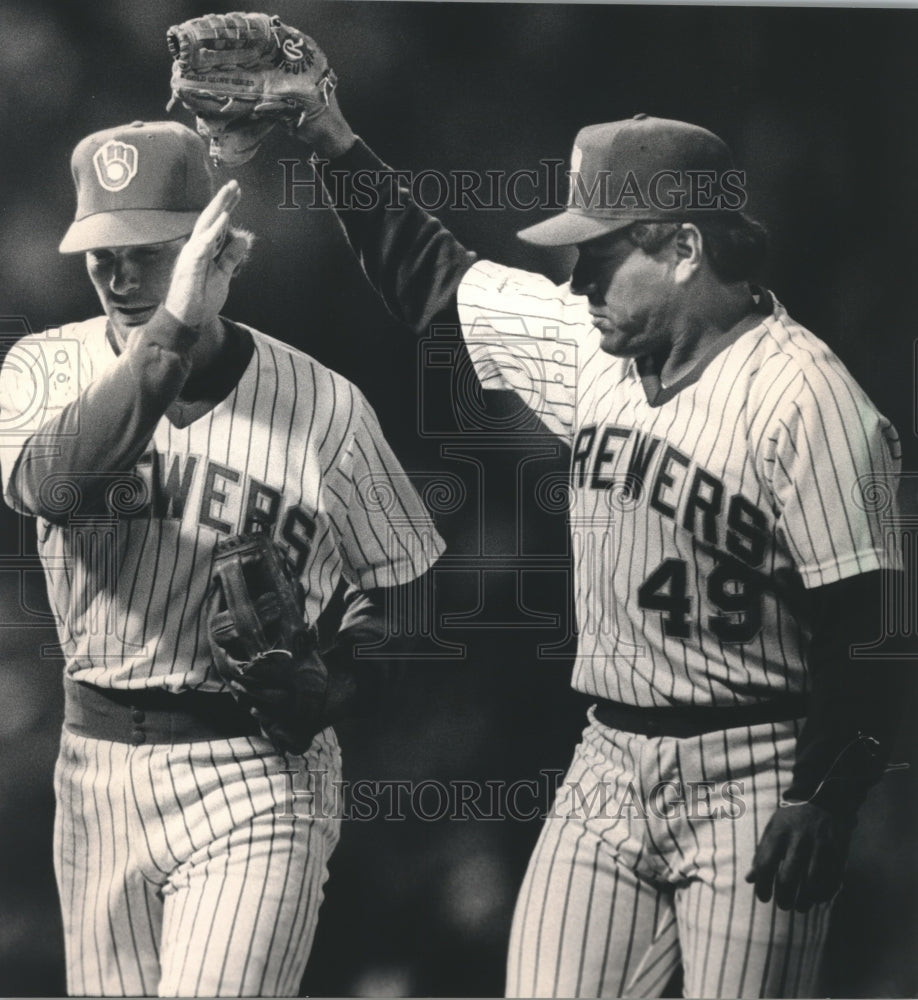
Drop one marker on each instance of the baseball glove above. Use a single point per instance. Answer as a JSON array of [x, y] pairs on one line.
[[261, 646], [242, 73]]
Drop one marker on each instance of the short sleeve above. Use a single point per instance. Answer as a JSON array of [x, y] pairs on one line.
[[523, 333], [833, 467], [33, 391], [388, 538]]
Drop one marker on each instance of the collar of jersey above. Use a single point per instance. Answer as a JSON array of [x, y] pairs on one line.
[[646, 371]]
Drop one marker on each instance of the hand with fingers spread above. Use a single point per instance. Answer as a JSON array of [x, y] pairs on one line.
[[207, 262], [801, 856]]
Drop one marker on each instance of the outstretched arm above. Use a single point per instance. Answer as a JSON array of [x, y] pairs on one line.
[[413, 261], [283, 76]]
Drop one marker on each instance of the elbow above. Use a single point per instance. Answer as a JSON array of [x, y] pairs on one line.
[[56, 496], [28, 501], [17, 492]]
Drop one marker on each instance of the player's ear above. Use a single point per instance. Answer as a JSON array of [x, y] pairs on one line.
[[688, 245]]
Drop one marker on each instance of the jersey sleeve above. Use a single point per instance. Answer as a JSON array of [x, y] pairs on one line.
[[23, 408], [833, 465], [517, 325], [40, 383], [523, 333], [411, 259], [388, 538], [60, 436]]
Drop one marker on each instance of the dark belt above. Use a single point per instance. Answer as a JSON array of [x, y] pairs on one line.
[[153, 716], [683, 721]]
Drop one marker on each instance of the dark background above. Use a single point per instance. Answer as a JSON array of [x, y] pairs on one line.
[[820, 107]]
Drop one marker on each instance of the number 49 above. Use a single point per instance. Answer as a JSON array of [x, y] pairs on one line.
[[732, 589]]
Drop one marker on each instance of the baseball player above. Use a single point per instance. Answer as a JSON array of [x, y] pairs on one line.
[[725, 557], [142, 440], [724, 564]]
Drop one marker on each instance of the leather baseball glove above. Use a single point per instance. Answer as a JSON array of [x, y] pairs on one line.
[[262, 647], [241, 74]]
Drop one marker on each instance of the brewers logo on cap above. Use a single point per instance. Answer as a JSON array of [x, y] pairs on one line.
[[116, 164], [122, 201]]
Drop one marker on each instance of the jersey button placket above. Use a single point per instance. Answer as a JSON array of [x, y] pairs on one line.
[[138, 735]]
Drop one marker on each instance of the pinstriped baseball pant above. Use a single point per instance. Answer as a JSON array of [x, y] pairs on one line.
[[183, 870], [627, 881]]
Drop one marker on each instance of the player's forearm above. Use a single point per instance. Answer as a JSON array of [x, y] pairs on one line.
[[412, 260], [160, 358], [108, 427], [355, 685], [854, 703], [358, 685]]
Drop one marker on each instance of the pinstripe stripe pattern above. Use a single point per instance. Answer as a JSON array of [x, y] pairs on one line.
[[180, 871], [619, 893], [293, 438], [772, 436], [698, 515]]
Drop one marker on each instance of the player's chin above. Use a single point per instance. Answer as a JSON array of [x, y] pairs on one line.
[[615, 342], [125, 319]]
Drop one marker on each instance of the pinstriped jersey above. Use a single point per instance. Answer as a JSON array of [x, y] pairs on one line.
[[699, 515], [293, 440]]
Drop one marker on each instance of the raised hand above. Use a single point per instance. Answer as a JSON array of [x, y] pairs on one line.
[[207, 262]]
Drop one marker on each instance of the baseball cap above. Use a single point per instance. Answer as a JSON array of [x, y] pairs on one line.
[[146, 182], [641, 169]]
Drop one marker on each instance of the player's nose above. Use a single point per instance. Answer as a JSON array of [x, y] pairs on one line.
[[124, 277]]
